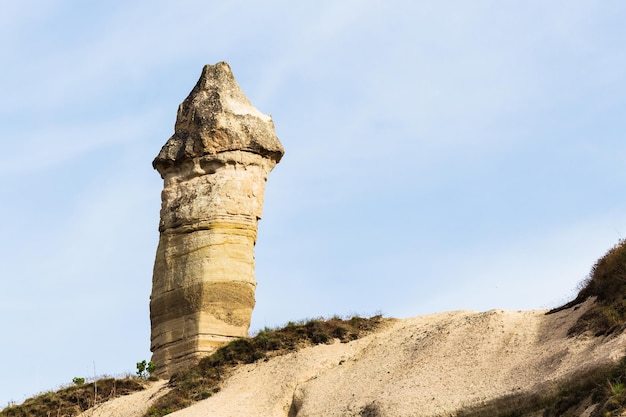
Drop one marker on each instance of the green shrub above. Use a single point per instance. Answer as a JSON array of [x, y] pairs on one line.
[[154, 412], [145, 369]]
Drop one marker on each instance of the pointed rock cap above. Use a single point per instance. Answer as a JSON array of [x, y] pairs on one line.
[[218, 117]]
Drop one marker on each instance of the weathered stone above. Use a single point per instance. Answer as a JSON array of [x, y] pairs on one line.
[[214, 169]]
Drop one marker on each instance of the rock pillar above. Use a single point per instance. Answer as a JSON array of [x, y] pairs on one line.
[[214, 170]]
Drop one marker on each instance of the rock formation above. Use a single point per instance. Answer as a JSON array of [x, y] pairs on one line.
[[214, 170]]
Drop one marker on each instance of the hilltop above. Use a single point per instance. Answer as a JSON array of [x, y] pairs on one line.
[[458, 363], [565, 362]]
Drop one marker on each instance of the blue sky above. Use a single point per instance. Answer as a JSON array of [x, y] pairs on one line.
[[439, 156]]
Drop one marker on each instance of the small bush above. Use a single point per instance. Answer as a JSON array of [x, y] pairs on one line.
[[154, 412], [145, 369]]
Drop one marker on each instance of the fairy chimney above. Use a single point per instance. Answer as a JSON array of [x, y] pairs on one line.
[[214, 169]]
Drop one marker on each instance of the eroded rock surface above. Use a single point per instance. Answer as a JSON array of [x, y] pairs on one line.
[[214, 169]]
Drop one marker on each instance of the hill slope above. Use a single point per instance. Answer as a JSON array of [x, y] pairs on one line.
[[456, 363]]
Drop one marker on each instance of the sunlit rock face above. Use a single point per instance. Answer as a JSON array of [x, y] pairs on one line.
[[214, 170]]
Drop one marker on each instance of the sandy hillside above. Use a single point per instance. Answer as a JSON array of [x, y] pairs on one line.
[[133, 405], [431, 365]]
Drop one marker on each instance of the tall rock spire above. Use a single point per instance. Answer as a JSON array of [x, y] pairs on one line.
[[214, 168]]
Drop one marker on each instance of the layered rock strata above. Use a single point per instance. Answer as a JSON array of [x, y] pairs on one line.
[[214, 170]]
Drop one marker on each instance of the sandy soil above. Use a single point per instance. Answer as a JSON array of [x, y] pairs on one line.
[[134, 405], [424, 366]]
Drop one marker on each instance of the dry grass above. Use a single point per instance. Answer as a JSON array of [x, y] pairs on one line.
[[606, 282], [607, 389], [75, 399]]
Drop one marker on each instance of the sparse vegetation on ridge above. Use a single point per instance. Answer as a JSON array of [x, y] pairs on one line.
[[606, 282], [603, 386], [201, 381], [74, 399], [204, 380]]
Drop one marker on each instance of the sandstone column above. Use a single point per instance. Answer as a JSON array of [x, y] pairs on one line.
[[214, 170]]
